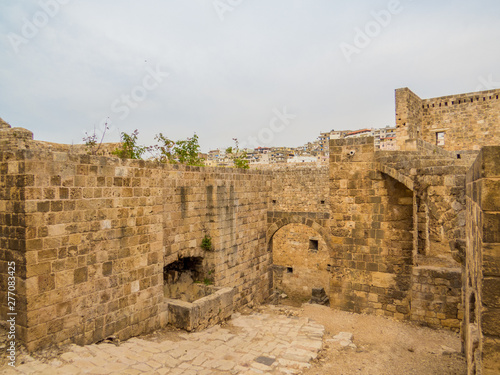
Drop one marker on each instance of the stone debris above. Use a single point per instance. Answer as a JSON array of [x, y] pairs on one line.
[[259, 343], [344, 339], [319, 297], [446, 350]]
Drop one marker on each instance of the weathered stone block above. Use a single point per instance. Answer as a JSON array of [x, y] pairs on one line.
[[491, 225], [491, 355], [46, 283], [80, 275], [491, 259], [491, 293]]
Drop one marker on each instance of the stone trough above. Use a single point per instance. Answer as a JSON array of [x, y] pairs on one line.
[[215, 307]]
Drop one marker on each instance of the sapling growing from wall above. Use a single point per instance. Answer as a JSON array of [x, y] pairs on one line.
[[92, 141], [165, 150], [206, 243], [183, 151], [187, 151], [129, 148]]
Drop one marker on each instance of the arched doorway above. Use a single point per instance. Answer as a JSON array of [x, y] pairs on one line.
[[301, 262]]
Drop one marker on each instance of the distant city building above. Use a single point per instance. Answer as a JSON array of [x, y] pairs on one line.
[[316, 151], [359, 133], [302, 159], [338, 134], [385, 138]]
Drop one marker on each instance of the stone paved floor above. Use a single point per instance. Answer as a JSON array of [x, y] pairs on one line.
[[249, 344]]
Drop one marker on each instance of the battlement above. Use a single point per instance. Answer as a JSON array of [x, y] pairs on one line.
[[463, 99], [454, 122]]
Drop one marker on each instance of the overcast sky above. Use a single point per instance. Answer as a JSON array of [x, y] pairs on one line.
[[269, 72]]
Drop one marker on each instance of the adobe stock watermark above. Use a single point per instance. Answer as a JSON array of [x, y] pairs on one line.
[[277, 124], [224, 6], [40, 19], [125, 103], [373, 28], [487, 83]]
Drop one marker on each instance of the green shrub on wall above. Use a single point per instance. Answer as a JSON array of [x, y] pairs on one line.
[[206, 243]]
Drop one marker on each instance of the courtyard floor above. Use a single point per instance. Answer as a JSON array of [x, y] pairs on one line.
[[270, 340]]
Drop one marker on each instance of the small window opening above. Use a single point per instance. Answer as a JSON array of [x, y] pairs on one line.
[[322, 202], [313, 244], [440, 138], [274, 201], [459, 156], [472, 308], [289, 270]]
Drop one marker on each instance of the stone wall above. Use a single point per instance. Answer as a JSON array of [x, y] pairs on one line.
[[301, 188], [301, 261], [299, 211], [372, 222], [408, 116], [90, 237], [93, 248], [469, 121], [438, 180], [105, 149], [230, 207], [436, 296], [482, 267], [20, 138], [12, 237], [398, 221]]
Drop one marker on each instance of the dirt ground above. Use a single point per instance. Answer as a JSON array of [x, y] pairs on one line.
[[383, 346]]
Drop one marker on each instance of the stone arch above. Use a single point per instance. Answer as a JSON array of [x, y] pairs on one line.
[[190, 252], [300, 219], [391, 172], [301, 263]]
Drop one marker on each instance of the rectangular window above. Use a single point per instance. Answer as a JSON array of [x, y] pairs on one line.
[[313, 245], [440, 138]]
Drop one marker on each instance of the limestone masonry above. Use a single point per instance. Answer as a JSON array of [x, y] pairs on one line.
[[456, 122], [110, 247]]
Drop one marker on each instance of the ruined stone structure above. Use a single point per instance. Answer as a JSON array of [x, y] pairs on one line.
[[459, 122], [397, 222], [299, 218], [482, 266], [90, 237], [301, 261], [101, 245]]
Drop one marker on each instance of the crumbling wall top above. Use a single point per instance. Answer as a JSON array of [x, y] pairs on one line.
[[4, 124]]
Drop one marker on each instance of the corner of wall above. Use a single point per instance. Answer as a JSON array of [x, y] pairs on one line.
[[408, 116], [482, 274]]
